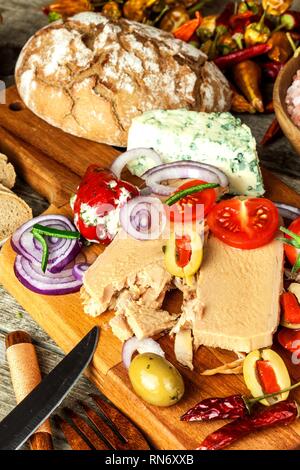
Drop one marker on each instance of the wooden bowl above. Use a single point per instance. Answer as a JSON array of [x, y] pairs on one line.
[[283, 82]]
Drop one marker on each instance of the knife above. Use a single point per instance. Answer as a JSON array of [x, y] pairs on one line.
[[23, 420]]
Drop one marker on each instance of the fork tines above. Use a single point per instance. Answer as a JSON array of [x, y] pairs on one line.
[[114, 430]]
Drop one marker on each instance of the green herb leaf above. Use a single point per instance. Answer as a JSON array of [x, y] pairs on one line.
[[43, 242], [187, 192], [294, 236], [54, 232], [54, 16], [296, 266]]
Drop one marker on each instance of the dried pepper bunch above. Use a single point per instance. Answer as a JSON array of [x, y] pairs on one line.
[[167, 14], [249, 40]]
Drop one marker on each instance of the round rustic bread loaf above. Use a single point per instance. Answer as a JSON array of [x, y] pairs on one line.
[[91, 76]]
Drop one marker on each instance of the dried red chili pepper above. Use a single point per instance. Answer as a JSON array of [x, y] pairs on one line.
[[272, 69], [274, 130], [269, 108], [282, 413], [295, 36], [232, 407], [240, 56], [222, 21], [241, 19]]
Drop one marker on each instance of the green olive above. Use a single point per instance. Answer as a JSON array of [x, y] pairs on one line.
[[156, 380]]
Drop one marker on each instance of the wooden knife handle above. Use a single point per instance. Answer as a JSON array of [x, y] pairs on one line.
[[26, 375]]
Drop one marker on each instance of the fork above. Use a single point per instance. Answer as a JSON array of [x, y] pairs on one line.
[[114, 430]]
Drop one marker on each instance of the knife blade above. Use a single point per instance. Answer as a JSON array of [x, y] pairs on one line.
[[31, 412]]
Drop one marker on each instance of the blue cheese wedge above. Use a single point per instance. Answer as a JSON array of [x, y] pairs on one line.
[[218, 139]]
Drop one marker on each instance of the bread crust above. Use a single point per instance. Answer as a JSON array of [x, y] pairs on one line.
[[91, 76]]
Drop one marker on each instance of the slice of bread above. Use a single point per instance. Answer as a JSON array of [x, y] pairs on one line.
[[4, 189], [13, 213], [7, 172]]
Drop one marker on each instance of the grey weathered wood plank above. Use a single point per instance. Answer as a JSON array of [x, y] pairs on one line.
[[47, 360]]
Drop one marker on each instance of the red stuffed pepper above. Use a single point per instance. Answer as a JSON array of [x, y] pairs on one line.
[[97, 204]]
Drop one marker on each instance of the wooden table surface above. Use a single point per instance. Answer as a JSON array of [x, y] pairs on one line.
[[20, 21]]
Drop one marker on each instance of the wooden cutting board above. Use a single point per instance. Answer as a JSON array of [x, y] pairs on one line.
[[52, 162]]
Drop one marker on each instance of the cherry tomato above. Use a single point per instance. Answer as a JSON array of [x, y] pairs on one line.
[[244, 223], [206, 197], [291, 252], [289, 339]]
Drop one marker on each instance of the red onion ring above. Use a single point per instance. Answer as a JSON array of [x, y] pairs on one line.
[[33, 278], [142, 346], [61, 250], [143, 218], [182, 170], [79, 270], [123, 159]]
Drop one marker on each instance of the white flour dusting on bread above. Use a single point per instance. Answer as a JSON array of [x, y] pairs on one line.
[[91, 76]]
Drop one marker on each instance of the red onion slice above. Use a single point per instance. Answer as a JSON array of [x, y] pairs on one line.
[[142, 346], [139, 153], [143, 218], [182, 170], [61, 250], [32, 277], [192, 164], [287, 211], [79, 270]]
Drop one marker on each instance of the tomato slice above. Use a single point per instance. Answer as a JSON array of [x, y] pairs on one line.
[[244, 223], [290, 252], [183, 251], [206, 198], [267, 377], [289, 339]]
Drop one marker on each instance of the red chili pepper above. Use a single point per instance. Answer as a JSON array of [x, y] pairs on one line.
[[232, 407], [269, 108], [272, 69], [241, 19], [187, 30], [295, 36], [240, 56], [282, 413], [274, 130], [222, 21]]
